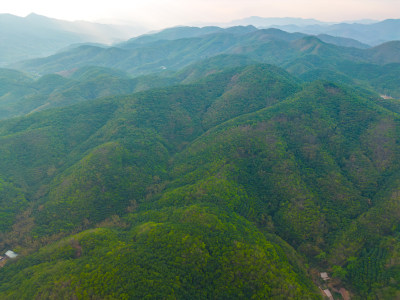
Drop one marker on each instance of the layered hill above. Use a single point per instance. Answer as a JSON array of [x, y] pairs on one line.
[[372, 33], [222, 188], [109, 156], [173, 50], [323, 57], [22, 94], [36, 36]]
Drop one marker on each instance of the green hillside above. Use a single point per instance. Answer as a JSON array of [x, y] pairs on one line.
[[311, 169], [109, 169], [21, 94], [128, 128], [192, 252], [244, 182]]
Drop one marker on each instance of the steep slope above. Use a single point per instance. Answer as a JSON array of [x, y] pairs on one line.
[[13, 85], [340, 41], [297, 139], [224, 177], [313, 170], [191, 252], [114, 159], [386, 53], [382, 79], [20, 94], [212, 65], [128, 128]]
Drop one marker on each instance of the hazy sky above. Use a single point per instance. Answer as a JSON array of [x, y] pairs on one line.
[[163, 13]]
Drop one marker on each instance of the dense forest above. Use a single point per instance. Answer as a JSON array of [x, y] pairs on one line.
[[250, 163]]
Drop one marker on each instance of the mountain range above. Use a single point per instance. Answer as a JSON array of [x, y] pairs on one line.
[[371, 33], [36, 36], [303, 55], [197, 163]]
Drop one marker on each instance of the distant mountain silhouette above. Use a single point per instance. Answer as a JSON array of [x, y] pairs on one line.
[[35, 35], [371, 34]]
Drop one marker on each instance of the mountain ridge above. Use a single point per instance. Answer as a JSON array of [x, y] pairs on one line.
[[36, 35], [196, 163], [321, 138]]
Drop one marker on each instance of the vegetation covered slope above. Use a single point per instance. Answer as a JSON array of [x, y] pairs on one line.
[[221, 188], [191, 252], [110, 168], [141, 131], [20, 94]]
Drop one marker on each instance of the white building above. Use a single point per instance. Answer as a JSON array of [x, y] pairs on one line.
[[11, 254], [324, 276]]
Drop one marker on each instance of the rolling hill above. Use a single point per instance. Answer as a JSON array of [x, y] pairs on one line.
[[21, 94], [172, 49], [126, 148], [169, 51], [243, 183]]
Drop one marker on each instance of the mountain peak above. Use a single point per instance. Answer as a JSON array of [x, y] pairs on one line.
[[35, 16]]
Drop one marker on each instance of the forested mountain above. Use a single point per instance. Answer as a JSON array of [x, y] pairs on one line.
[[202, 163], [307, 168], [181, 32], [118, 153], [167, 52], [160, 54], [341, 41], [21, 94], [157, 52]]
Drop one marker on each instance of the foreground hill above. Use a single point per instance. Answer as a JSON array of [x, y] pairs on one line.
[[120, 159], [222, 188], [192, 252]]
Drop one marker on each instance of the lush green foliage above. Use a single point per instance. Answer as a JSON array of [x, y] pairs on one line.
[[20, 94], [12, 202], [221, 188], [191, 252]]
